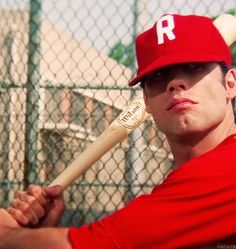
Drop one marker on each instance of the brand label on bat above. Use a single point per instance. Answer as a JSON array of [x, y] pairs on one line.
[[132, 117]]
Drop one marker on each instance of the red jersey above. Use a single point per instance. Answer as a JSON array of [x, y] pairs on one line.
[[195, 207]]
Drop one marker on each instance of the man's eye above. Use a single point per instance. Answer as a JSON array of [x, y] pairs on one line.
[[161, 73], [195, 66], [158, 75]]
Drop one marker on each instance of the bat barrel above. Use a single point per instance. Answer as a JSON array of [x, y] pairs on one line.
[[117, 131]]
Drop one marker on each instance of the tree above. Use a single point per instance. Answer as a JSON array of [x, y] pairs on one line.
[[122, 53]]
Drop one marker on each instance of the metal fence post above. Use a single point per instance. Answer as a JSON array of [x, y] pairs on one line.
[[32, 95], [129, 157]]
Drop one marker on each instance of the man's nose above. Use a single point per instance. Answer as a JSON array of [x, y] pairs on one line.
[[177, 85]]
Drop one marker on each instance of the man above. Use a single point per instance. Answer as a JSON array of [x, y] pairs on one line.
[[188, 85]]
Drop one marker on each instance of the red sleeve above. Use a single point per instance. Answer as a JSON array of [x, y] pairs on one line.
[[91, 237], [195, 206]]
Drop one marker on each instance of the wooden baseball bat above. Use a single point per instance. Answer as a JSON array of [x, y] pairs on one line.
[[128, 120], [117, 131], [226, 24]]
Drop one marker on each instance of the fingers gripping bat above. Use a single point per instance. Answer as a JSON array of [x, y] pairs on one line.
[[128, 120]]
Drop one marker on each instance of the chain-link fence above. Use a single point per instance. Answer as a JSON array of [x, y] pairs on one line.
[[64, 71]]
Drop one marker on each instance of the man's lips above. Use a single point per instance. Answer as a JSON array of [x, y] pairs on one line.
[[179, 101]]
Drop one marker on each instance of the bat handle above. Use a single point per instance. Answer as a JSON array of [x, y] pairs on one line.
[[88, 157]]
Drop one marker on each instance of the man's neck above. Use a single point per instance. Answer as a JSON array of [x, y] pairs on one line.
[[189, 147]]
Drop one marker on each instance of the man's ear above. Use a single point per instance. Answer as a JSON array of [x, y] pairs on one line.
[[230, 83], [146, 102]]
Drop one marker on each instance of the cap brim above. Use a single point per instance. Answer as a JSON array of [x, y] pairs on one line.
[[176, 58]]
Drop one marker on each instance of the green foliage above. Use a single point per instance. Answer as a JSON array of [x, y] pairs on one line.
[[233, 49], [122, 53]]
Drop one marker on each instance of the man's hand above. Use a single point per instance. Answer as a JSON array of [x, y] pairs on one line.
[[38, 206], [13, 236], [7, 221]]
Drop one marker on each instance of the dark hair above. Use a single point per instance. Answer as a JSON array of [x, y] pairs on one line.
[[141, 84], [225, 69]]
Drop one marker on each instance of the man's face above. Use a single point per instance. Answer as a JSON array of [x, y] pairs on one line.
[[188, 98]]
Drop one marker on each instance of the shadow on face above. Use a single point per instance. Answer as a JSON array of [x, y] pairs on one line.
[[188, 74]]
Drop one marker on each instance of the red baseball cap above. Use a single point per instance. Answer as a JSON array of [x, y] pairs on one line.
[[178, 39]]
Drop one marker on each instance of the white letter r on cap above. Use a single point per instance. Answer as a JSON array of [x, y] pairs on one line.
[[167, 29]]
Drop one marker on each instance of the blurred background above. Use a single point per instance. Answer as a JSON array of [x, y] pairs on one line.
[[64, 72]]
